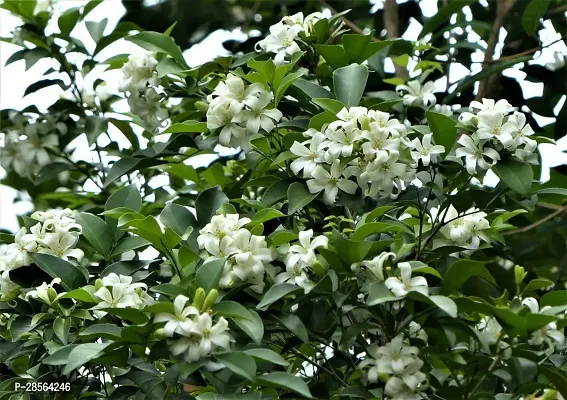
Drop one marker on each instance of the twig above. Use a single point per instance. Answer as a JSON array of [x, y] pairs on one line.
[[548, 206], [502, 8], [347, 21], [558, 10], [537, 223], [490, 368], [523, 53]]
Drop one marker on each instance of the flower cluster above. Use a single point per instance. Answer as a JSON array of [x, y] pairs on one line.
[[240, 110], [247, 255], [400, 365], [497, 129], [118, 291], [196, 334], [24, 149], [283, 36], [140, 80], [464, 230], [56, 233], [365, 144], [418, 95], [300, 259]]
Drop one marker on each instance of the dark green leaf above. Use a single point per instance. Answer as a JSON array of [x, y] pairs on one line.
[[349, 83], [298, 196], [94, 127], [72, 276], [34, 87], [286, 381], [208, 202], [96, 232], [459, 272], [158, 42], [267, 355], [295, 326], [239, 363], [444, 130], [534, 11], [516, 175], [275, 293], [209, 274]]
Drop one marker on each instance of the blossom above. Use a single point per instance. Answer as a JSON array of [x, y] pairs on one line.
[[558, 61], [258, 116], [148, 107], [42, 292], [518, 129], [219, 227], [20, 249], [330, 182], [425, 150], [308, 157], [476, 154], [490, 106], [490, 126], [405, 283], [122, 294], [211, 335], [298, 275], [549, 333], [61, 244], [181, 321], [528, 152], [375, 267], [464, 230], [305, 252], [138, 72], [417, 95], [281, 41]]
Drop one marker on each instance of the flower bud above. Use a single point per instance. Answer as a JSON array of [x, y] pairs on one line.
[[318, 268], [98, 284], [519, 274], [159, 334], [199, 298], [210, 300], [51, 295], [201, 106]]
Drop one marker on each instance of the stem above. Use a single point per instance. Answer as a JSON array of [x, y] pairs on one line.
[[537, 223]]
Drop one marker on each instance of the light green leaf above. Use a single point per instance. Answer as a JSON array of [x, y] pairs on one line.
[[378, 293], [158, 42], [106, 331], [61, 328], [349, 83], [179, 218], [267, 355], [312, 90], [442, 302], [187, 127], [331, 105], [295, 326], [444, 130], [96, 28], [298, 196], [533, 12], [82, 354], [460, 271], [96, 232]]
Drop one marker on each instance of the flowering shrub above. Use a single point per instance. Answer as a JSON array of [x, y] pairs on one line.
[[342, 244]]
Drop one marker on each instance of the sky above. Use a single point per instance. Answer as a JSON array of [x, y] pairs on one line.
[[14, 80]]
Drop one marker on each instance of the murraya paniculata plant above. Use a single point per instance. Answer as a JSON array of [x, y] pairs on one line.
[[341, 244]]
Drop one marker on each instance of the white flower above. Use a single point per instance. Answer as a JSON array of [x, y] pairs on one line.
[[281, 41], [418, 95], [20, 249], [443, 109], [123, 294], [308, 157], [138, 72], [393, 359], [305, 252], [6, 284], [405, 283], [42, 291], [375, 267], [379, 142], [416, 332], [518, 129], [490, 329], [528, 152], [148, 108], [258, 116], [234, 90], [425, 150], [211, 335], [61, 244], [252, 253], [490, 106], [296, 274], [465, 230], [228, 117], [219, 227], [382, 121], [34, 147], [490, 126], [349, 118], [557, 63], [180, 322], [549, 333], [476, 154], [330, 182], [341, 142]]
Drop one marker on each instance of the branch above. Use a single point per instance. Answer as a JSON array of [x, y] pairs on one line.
[[502, 8], [392, 24], [537, 223], [524, 53]]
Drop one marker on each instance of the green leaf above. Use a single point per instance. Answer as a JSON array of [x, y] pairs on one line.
[[275, 293], [51, 171], [127, 196], [516, 175], [129, 164], [127, 244], [89, 7], [82, 354], [333, 54], [295, 326], [321, 119], [350, 83], [286, 381], [96, 232], [105, 331], [130, 314], [355, 46], [80, 294], [558, 379], [61, 329], [558, 191], [158, 42], [460, 271], [171, 290], [127, 267], [280, 237], [68, 20], [444, 130], [312, 90], [534, 11], [60, 357], [331, 105], [72, 276], [378, 293], [267, 355], [252, 326], [209, 274], [94, 127], [127, 131], [377, 213], [537, 284], [442, 302], [187, 127], [350, 251], [6, 238], [443, 15], [178, 218], [525, 370], [239, 363], [207, 204], [96, 28], [555, 298], [373, 228], [285, 84], [298, 196], [34, 87]]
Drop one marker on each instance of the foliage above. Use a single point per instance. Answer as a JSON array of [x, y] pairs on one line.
[[341, 244]]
